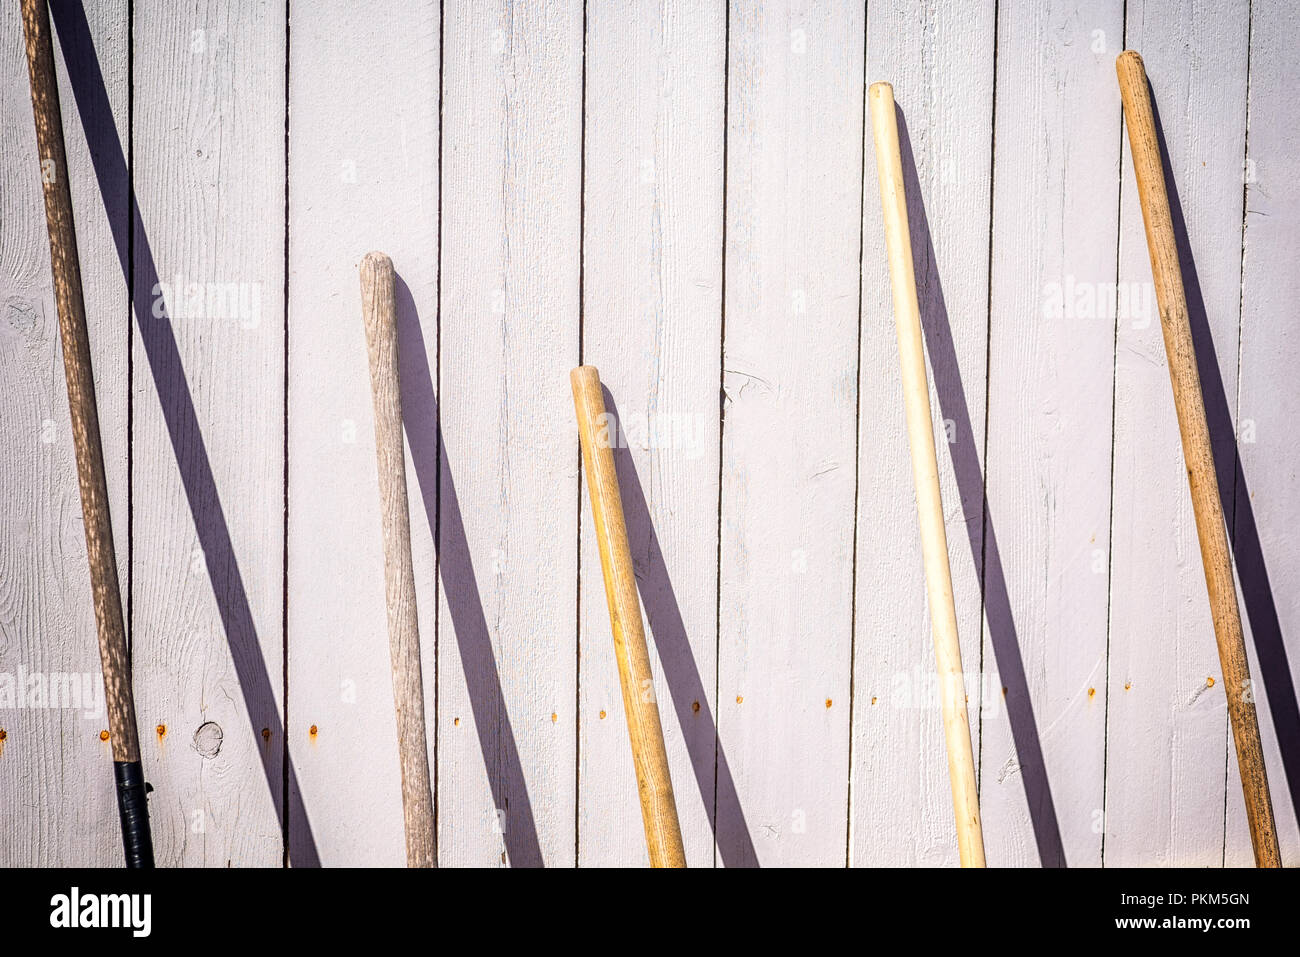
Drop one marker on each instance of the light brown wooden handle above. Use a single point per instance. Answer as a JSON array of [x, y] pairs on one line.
[[379, 311], [1198, 454], [663, 833], [114, 659], [925, 475]]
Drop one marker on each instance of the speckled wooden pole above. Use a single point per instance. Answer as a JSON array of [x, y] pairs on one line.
[[663, 832], [1197, 452], [379, 310], [114, 659]]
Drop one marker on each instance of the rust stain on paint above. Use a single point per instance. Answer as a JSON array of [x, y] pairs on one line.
[[1209, 682], [456, 722], [602, 715], [266, 735], [740, 699], [3, 735], [554, 717], [828, 702], [162, 731], [1092, 692], [695, 707], [313, 731], [873, 699], [103, 735]]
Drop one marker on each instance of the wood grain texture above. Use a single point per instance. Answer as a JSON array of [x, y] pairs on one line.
[[365, 156], [1268, 482], [1198, 453], [943, 57], [652, 309], [794, 164], [1167, 727], [379, 312], [925, 476], [509, 606], [55, 772], [79, 378], [1053, 304], [663, 833], [508, 495], [208, 433]]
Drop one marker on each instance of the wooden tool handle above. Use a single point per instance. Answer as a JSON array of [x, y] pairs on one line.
[[925, 474], [663, 833], [84, 413], [379, 310], [1197, 452]]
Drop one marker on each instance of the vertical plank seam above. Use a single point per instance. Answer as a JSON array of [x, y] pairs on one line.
[[857, 448], [437, 431], [130, 330], [1236, 405], [988, 390], [284, 438], [577, 589], [1114, 401], [130, 214], [722, 414]]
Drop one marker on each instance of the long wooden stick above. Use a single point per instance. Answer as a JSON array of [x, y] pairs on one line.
[[379, 310], [1197, 452], [663, 833], [925, 473], [114, 659]]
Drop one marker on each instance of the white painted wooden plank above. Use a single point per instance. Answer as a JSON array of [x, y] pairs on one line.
[[1051, 361], [507, 549], [208, 442], [1167, 724], [1267, 485], [55, 772], [652, 289], [794, 155], [940, 62], [365, 154], [363, 175]]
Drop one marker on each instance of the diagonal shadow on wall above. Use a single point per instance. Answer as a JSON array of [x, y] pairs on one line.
[[699, 730], [1234, 496], [984, 551], [159, 341], [456, 569]]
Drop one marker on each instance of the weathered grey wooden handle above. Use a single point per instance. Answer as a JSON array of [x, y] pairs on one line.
[[379, 310]]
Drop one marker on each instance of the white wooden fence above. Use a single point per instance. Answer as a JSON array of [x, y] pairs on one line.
[[678, 193]]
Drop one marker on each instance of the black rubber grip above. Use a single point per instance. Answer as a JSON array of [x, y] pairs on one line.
[[132, 804]]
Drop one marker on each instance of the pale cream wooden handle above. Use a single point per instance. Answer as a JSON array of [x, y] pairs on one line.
[[663, 833], [925, 473], [1198, 454], [379, 310]]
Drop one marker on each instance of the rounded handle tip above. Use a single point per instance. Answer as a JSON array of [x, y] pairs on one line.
[[882, 89], [584, 377], [374, 262], [1130, 59]]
